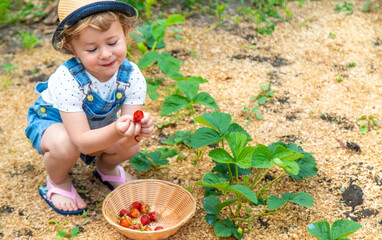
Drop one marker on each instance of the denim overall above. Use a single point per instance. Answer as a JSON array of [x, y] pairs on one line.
[[99, 112]]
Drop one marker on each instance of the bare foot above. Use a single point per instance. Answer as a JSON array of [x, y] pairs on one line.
[[115, 172], [64, 203]]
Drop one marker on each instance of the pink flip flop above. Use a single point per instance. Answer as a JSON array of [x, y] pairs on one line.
[[105, 179], [47, 194]]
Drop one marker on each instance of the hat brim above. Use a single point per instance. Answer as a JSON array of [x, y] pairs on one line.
[[88, 10]]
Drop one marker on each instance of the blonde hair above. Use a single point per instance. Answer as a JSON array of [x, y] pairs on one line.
[[99, 21]]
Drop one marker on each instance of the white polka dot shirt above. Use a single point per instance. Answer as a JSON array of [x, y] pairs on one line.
[[65, 94]]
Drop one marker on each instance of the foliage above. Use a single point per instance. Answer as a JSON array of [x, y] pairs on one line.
[[239, 173], [191, 96], [346, 8], [339, 231], [366, 123], [61, 234], [143, 161], [28, 40], [8, 69], [21, 13]]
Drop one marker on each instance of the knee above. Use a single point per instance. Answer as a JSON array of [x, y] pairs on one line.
[[61, 147]]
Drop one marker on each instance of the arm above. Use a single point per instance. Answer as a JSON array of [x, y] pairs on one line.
[[89, 141]]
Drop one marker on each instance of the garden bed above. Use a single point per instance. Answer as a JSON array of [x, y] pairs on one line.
[[318, 101]]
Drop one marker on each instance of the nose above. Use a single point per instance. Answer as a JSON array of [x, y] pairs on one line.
[[105, 53]]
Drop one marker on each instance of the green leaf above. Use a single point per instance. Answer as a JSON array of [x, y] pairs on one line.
[[302, 199], [189, 88], [168, 64], [222, 230], [289, 166], [275, 202], [245, 157], [220, 155], [148, 59], [343, 227], [307, 166], [74, 232], [156, 157], [364, 129], [216, 120], [137, 37], [204, 136], [209, 204], [262, 100], [320, 230], [236, 142], [207, 100], [220, 206], [234, 127], [151, 90], [140, 162], [262, 157], [211, 219], [211, 180], [159, 32], [283, 153], [245, 191], [173, 103], [174, 19]]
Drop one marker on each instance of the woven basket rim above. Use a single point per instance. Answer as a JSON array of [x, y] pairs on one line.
[[143, 181]]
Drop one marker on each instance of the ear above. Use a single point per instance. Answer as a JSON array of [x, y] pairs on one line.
[[127, 29], [69, 47]]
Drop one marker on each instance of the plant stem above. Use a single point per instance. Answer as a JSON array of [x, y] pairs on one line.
[[255, 184], [237, 174], [155, 44], [225, 199], [230, 172], [265, 187], [132, 57], [256, 177]]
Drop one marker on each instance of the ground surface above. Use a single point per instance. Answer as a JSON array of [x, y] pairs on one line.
[[311, 108]]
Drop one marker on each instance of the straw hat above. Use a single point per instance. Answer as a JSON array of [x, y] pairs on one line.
[[71, 11]]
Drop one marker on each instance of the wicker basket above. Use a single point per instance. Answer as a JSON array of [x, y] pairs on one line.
[[176, 204]]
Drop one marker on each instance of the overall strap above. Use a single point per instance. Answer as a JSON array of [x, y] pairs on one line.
[[124, 71], [77, 70]]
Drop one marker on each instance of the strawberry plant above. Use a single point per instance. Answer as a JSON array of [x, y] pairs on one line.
[[339, 230], [176, 101], [265, 94], [143, 161], [366, 123], [180, 137], [152, 35], [236, 183]]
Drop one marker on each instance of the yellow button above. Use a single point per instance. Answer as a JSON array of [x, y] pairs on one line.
[[43, 110], [90, 98], [119, 95]]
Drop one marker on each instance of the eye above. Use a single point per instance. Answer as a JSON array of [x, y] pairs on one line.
[[113, 43], [92, 50]]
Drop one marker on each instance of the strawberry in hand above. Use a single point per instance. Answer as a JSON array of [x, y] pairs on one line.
[[138, 116]]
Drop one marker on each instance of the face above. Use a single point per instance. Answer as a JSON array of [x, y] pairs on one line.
[[101, 53]]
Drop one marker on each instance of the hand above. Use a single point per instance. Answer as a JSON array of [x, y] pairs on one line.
[[126, 127], [147, 125]]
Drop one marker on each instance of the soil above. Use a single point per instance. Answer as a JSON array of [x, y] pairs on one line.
[[311, 108]]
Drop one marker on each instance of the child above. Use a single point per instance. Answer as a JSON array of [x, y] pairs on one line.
[[76, 113]]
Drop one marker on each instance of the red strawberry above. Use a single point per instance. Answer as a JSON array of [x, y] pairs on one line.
[[125, 222], [136, 205], [134, 213], [148, 229], [137, 226], [153, 216], [144, 208], [138, 115], [145, 220], [158, 228], [123, 212]]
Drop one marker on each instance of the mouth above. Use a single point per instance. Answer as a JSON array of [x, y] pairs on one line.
[[108, 64]]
